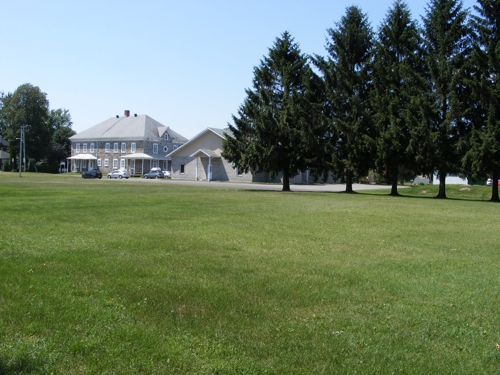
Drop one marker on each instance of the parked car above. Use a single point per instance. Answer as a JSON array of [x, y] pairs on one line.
[[489, 182], [167, 174], [92, 173], [119, 173], [154, 174]]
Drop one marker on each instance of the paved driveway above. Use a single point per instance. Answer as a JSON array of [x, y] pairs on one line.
[[261, 186]]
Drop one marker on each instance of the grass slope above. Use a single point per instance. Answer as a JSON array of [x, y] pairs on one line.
[[118, 277]]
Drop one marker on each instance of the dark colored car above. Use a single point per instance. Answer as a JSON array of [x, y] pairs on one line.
[[154, 174], [92, 173]]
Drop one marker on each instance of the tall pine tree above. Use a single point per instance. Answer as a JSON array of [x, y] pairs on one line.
[[446, 41], [398, 83], [346, 73], [271, 131], [483, 156]]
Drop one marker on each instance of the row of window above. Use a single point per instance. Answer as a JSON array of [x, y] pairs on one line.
[[107, 148]]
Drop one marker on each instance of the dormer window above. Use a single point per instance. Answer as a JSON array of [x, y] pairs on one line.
[[166, 136]]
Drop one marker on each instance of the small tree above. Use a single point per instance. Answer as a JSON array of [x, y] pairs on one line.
[[60, 127], [271, 130]]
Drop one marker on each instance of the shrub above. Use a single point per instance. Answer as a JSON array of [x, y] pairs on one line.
[[6, 167]]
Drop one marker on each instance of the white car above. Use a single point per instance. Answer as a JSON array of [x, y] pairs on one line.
[[489, 182], [119, 173]]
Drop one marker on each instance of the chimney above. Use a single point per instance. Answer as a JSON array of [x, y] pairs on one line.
[[135, 114], [127, 113]]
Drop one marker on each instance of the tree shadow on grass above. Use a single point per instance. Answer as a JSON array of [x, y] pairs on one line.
[[369, 192], [366, 192], [21, 366]]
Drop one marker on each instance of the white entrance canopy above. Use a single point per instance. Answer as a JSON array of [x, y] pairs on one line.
[[83, 157], [138, 156], [204, 152]]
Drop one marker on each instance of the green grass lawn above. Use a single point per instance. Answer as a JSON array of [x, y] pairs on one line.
[[122, 277]]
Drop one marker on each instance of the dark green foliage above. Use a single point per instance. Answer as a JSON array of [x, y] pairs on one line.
[[271, 130], [398, 84], [346, 73], [447, 46], [7, 167], [28, 105], [60, 126], [483, 156], [48, 132]]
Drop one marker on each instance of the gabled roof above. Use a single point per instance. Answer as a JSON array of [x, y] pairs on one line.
[[219, 132], [206, 152], [176, 137], [4, 155], [127, 127]]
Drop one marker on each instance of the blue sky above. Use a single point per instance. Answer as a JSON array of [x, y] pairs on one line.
[[184, 63]]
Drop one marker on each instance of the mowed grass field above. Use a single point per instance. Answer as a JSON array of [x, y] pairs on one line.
[[124, 277]]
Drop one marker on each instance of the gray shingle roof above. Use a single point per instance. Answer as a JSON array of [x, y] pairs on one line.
[[132, 127]]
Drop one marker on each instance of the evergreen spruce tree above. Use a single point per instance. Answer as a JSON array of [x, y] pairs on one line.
[[273, 126], [346, 73], [398, 83], [483, 156], [446, 41]]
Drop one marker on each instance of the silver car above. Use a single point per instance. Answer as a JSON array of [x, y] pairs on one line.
[[119, 173]]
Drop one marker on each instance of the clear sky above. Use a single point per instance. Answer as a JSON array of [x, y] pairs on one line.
[[185, 63]]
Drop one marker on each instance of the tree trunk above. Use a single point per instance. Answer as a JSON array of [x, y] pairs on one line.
[[348, 182], [286, 180], [494, 187], [394, 182], [442, 185]]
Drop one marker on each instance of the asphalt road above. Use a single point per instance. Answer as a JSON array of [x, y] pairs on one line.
[[262, 186]]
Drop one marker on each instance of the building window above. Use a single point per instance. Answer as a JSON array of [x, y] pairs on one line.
[[92, 148], [132, 147], [77, 163], [115, 147], [166, 136], [182, 168], [165, 149], [106, 162], [115, 163], [99, 163], [77, 148], [106, 150], [238, 172], [91, 164], [124, 147], [84, 148], [122, 163], [155, 148], [175, 147]]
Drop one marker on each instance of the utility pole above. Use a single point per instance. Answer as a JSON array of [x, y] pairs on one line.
[[22, 148]]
